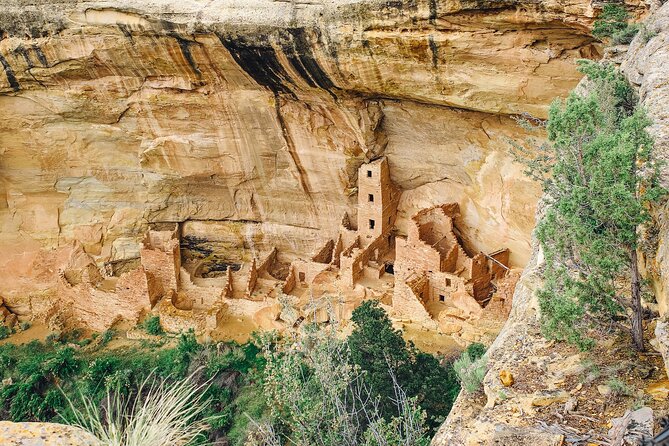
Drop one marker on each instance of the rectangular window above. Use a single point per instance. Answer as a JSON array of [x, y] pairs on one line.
[[370, 198], [369, 174], [442, 298], [371, 224], [448, 282]]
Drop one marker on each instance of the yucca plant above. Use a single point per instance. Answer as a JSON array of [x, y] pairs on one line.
[[161, 413]]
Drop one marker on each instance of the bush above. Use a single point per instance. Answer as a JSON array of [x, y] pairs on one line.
[[375, 347], [618, 388], [317, 397], [613, 23], [44, 376], [475, 350], [471, 371], [106, 336], [152, 325], [5, 331]]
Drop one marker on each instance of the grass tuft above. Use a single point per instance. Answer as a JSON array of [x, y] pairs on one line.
[[160, 413]]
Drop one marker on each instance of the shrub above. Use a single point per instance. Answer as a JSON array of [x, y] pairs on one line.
[[25, 325], [5, 331], [106, 336], [470, 372], [613, 23], [41, 374], [618, 388], [475, 350], [317, 397], [375, 347], [152, 325]]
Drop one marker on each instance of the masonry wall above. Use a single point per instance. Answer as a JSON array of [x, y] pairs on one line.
[[291, 280], [353, 265], [324, 255], [407, 301], [377, 200], [414, 257]]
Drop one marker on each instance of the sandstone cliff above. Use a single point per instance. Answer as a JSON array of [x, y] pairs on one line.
[[251, 118], [526, 413]]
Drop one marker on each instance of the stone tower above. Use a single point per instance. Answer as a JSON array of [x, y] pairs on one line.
[[376, 203]]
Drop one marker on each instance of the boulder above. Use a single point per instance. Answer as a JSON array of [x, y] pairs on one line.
[[506, 377], [44, 434]]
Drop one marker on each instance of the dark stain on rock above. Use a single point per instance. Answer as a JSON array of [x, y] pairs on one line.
[[198, 245], [434, 50], [259, 62], [125, 29], [302, 58], [11, 77], [396, 4], [433, 11], [24, 52], [185, 45], [40, 56]]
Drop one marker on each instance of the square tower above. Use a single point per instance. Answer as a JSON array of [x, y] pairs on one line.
[[376, 203]]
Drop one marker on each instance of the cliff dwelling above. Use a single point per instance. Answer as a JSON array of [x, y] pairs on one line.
[[195, 280]]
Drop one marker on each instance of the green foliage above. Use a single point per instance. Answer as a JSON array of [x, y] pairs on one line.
[[316, 396], [613, 23], [152, 325], [45, 375], [5, 331], [249, 405], [107, 336], [471, 371], [475, 350], [599, 180], [375, 347], [161, 413], [25, 325], [618, 388]]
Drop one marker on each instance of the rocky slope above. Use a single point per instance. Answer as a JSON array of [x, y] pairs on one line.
[[252, 117], [548, 373]]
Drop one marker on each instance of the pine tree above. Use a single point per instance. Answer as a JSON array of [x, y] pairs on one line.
[[376, 347], [599, 181]]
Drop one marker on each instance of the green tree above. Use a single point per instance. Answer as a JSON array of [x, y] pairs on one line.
[[613, 23], [599, 180], [316, 397], [377, 348]]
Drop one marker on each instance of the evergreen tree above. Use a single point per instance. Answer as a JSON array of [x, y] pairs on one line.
[[599, 181], [376, 347]]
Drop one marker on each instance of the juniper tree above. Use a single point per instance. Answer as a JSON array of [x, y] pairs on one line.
[[599, 181]]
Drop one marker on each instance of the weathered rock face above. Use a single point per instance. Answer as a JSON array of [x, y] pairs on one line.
[[116, 115], [44, 434], [477, 420], [644, 66]]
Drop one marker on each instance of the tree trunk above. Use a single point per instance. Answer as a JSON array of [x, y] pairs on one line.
[[637, 325]]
